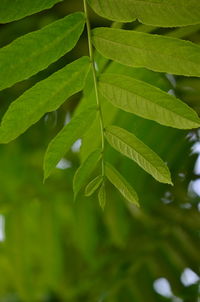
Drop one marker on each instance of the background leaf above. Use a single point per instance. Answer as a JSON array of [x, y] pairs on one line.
[[121, 184], [147, 101], [129, 145], [163, 13], [35, 51], [155, 52], [45, 96], [14, 10], [66, 137]]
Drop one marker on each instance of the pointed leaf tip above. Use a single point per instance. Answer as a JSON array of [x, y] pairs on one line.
[[129, 145]]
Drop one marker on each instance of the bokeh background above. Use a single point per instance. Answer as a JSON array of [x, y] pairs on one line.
[[52, 249]]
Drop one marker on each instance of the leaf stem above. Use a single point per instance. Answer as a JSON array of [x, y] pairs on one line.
[[91, 54]]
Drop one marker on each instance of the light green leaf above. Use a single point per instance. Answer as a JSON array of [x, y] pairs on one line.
[[85, 169], [11, 10], [163, 13], [35, 51], [66, 137], [121, 184], [45, 96], [147, 101], [158, 53], [93, 185], [129, 145], [102, 196]]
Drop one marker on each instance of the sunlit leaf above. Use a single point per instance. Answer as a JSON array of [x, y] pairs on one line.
[[45, 96], [129, 145], [121, 184], [35, 51], [85, 169], [66, 137], [93, 185], [102, 196], [14, 10], [147, 101], [163, 13], [155, 52]]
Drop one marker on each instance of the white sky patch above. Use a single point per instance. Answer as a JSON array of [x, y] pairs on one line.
[[171, 79], [194, 187], [162, 287], [188, 277], [64, 164], [172, 92], [191, 136], [197, 166], [76, 146], [67, 118], [96, 66], [2, 228], [196, 148]]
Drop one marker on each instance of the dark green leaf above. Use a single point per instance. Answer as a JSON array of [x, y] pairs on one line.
[[158, 53], [130, 146], [147, 101], [121, 184], [66, 137], [102, 196], [93, 185], [35, 51], [11, 10], [85, 169], [45, 96]]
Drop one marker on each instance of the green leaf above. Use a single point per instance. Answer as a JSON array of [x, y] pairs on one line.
[[85, 169], [121, 184], [45, 96], [35, 51], [163, 13], [66, 137], [11, 10], [93, 185], [147, 101], [158, 53], [102, 196], [153, 78], [130, 146]]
